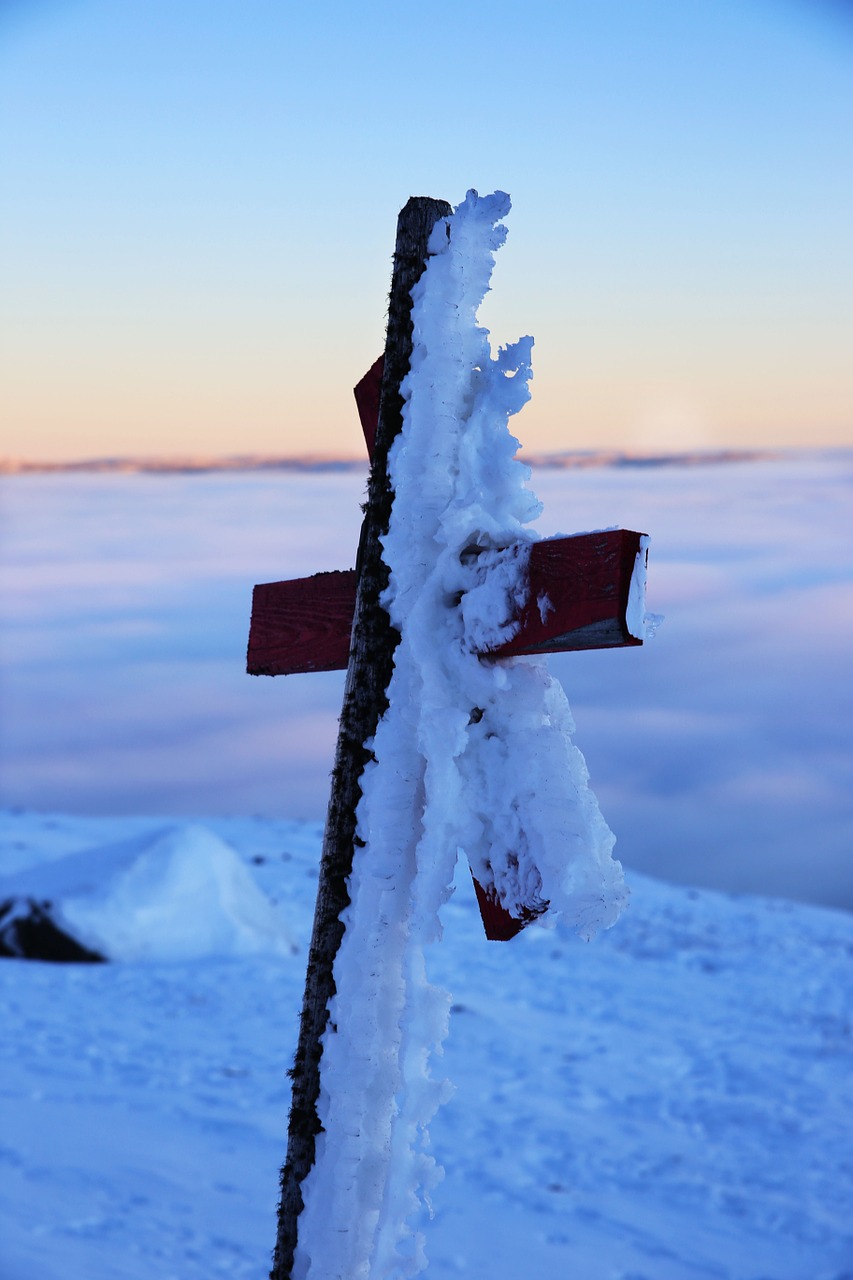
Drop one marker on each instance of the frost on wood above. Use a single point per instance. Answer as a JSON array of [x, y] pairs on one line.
[[471, 757], [636, 617]]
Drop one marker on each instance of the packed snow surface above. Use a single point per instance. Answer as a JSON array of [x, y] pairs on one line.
[[472, 757], [671, 1102]]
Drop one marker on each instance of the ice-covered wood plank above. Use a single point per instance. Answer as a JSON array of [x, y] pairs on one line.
[[498, 924], [578, 598], [579, 591]]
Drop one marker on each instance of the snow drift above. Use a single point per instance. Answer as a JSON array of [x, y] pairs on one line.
[[179, 894]]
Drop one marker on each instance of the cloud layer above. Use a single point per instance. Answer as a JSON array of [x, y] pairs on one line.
[[720, 752]]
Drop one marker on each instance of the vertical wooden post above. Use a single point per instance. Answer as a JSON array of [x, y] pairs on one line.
[[368, 675]]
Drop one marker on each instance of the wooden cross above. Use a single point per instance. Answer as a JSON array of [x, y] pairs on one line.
[[577, 597], [578, 594]]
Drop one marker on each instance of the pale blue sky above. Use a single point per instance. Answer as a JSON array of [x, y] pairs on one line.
[[199, 199]]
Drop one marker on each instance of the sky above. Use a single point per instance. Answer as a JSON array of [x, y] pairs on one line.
[[199, 200]]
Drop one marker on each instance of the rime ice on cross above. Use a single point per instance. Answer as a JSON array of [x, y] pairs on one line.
[[540, 597], [581, 592]]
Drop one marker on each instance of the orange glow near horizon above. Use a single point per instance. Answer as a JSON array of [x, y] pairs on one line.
[[105, 406], [202, 224]]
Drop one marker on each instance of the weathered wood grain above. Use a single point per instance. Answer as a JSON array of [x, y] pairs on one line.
[[302, 625], [577, 599], [577, 594]]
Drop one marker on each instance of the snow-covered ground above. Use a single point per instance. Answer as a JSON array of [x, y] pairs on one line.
[[669, 1102]]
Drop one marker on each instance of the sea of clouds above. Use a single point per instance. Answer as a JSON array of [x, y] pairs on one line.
[[720, 752]]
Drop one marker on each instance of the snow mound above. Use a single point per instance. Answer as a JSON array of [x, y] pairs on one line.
[[180, 893]]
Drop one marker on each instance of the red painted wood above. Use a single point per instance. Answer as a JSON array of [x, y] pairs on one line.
[[498, 924], [578, 597], [367, 394], [304, 625]]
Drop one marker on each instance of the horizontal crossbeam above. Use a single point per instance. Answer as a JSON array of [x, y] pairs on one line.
[[580, 596]]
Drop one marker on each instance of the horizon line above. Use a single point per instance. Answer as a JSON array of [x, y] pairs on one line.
[[560, 460]]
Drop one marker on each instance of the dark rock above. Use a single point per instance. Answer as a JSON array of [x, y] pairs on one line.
[[28, 932]]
